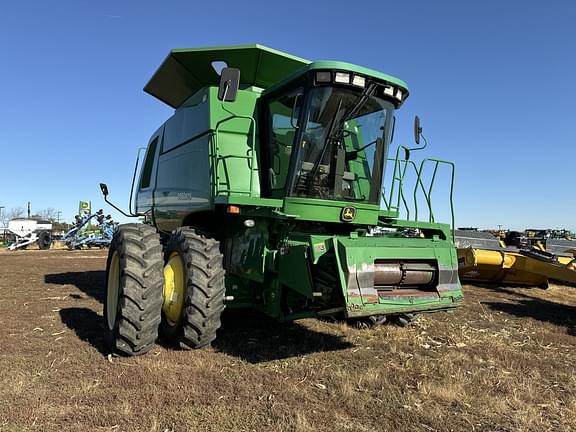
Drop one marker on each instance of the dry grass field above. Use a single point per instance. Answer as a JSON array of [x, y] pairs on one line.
[[504, 362]]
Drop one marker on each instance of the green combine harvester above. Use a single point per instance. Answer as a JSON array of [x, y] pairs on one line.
[[263, 191]]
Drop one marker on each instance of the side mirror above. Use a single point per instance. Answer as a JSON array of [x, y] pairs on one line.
[[229, 83], [104, 189], [417, 129]]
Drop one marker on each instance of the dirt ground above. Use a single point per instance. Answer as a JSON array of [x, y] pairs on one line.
[[504, 362]]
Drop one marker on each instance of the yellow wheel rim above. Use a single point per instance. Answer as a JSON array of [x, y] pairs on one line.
[[113, 290], [174, 289]]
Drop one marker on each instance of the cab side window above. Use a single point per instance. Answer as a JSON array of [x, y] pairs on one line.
[[148, 164]]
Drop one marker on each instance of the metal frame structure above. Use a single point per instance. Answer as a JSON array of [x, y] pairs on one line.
[[101, 236]]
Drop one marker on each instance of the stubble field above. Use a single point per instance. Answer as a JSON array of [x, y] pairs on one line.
[[503, 362]]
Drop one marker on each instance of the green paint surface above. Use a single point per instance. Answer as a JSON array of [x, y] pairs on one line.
[[287, 256]]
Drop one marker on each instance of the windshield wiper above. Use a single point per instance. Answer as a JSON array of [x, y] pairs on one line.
[[353, 154], [351, 112], [328, 139], [336, 126], [362, 99]]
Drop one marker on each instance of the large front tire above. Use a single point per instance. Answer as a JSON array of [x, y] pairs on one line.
[[194, 289], [133, 301]]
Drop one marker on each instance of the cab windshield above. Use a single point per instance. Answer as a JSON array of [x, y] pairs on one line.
[[343, 145]]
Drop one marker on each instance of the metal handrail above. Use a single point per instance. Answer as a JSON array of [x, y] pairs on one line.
[[400, 167], [428, 195], [397, 196], [251, 158]]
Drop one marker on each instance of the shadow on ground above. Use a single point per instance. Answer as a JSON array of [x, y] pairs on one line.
[[542, 310], [253, 338], [256, 338], [87, 325], [90, 282]]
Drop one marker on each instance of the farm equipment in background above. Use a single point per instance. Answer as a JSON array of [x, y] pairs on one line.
[[30, 231], [553, 241], [83, 233], [263, 191], [519, 259]]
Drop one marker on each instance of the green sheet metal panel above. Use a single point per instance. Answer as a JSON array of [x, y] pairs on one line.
[[235, 159], [354, 253], [185, 71], [320, 210]]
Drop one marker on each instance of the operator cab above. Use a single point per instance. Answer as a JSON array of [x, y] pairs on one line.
[[326, 135]]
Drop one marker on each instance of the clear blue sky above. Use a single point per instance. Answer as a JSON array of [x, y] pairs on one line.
[[493, 81]]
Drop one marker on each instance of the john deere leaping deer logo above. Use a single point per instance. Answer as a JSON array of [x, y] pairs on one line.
[[348, 214]]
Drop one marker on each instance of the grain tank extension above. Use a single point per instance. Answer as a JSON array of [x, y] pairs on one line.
[[263, 191]]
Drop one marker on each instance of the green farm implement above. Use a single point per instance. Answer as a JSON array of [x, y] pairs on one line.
[[263, 191]]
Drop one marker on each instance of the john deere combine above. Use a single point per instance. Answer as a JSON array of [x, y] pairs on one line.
[[264, 191]]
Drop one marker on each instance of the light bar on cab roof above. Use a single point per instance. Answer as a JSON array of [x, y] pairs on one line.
[[359, 81], [341, 77], [323, 77]]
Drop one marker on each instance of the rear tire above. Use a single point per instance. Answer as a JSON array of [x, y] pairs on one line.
[[44, 240], [191, 317], [133, 300]]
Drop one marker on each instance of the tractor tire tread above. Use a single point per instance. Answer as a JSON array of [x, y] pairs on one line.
[[140, 296], [205, 291]]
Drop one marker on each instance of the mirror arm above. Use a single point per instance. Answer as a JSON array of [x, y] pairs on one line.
[[104, 189], [417, 136], [227, 84], [120, 210], [425, 143]]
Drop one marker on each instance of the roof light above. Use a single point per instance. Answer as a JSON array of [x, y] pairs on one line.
[[323, 76], [399, 94], [359, 81], [342, 78]]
